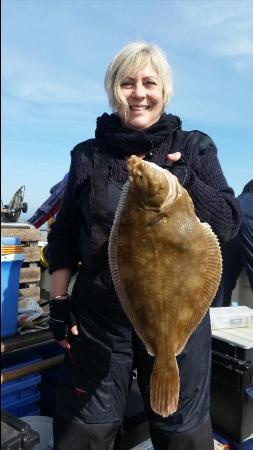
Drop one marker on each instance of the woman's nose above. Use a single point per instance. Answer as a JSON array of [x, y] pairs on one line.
[[139, 90]]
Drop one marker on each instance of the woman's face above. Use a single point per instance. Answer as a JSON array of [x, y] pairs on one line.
[[143, 93]]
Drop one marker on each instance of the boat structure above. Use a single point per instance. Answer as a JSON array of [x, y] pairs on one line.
[[12, 211]]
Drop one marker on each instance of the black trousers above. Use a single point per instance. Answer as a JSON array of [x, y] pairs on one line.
[[92, 396], [69, 435], [199, 439], [82, 436]]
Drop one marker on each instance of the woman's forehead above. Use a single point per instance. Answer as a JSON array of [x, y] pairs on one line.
[[144, 70]]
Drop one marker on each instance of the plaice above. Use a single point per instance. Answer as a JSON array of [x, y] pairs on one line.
[[166, 267]]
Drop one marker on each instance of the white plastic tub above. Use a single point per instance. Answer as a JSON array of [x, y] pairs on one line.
[[44, 426]]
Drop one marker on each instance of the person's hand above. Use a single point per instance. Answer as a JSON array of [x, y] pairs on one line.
[[174, 156], [62, 320], [65, 343]]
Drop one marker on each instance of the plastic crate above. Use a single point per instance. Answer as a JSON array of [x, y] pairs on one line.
[[23, 407], [20, 397], [10, 273], [21, 388]]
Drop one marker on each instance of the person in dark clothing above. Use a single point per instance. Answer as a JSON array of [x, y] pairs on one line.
[[238, 253], [102, 348]]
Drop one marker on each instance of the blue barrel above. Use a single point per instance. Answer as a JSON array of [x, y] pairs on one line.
[[11, 261]]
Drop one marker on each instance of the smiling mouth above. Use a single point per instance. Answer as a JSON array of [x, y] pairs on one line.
[[139, 108]]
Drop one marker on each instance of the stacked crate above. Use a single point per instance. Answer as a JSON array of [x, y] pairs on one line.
[[30, 272], [20, 397]]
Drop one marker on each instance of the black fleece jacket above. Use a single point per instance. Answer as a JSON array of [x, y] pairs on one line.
[[213, 199]]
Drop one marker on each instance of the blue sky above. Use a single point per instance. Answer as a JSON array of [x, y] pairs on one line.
[[54, 57]]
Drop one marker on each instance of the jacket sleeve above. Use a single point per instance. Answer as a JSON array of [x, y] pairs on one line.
[[245, 242], [63, 239], [213, 199]]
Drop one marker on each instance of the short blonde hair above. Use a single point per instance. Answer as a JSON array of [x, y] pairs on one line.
[[135, 56]]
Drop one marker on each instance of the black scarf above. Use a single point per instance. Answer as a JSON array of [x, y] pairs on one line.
[[114, 143], [122, 141]]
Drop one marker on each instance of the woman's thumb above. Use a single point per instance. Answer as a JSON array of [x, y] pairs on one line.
[[74, 330]]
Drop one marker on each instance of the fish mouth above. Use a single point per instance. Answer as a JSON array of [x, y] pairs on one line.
[[135, 167]]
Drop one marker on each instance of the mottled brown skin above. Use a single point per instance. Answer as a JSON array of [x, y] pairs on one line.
[[167, 270]]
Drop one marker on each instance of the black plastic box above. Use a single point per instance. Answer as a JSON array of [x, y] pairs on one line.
[[232, 396], [232, 349], [16, 434]]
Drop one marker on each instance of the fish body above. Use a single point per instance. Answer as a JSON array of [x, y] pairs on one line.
[[166, 267]]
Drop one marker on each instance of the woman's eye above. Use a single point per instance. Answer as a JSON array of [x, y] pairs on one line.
[[130, 84], [126, 84]]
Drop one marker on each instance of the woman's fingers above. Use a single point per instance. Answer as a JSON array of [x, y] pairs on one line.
[[64, 343], [174, 156], [74, 330]]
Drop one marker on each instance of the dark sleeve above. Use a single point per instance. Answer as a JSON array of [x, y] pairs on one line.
[[232, 267], [213, 199], [245, 241], [63, 239]]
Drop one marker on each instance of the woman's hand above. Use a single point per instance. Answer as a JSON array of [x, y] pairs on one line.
[[65, 343], [174, 156], [62, 320]]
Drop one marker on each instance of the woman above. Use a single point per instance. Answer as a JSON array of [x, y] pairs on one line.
[[102, 348]]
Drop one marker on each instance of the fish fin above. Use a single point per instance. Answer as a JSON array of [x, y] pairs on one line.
[[164, 391], [209, 286]]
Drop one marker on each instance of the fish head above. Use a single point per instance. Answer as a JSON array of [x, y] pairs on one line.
[[148, 182]]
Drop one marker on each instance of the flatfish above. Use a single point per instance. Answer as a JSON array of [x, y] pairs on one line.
[[166, 267]]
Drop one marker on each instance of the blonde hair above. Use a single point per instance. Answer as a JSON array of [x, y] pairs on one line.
[[135, 56]]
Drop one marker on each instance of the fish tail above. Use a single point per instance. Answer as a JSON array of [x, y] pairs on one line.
[[164, 390]]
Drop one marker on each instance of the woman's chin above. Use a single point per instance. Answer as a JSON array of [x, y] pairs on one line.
[[138, 123]]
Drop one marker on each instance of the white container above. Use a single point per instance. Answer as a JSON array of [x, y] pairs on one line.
[[231, 317], [44, 426]]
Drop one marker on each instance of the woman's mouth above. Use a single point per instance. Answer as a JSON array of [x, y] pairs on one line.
[[139, 107]]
